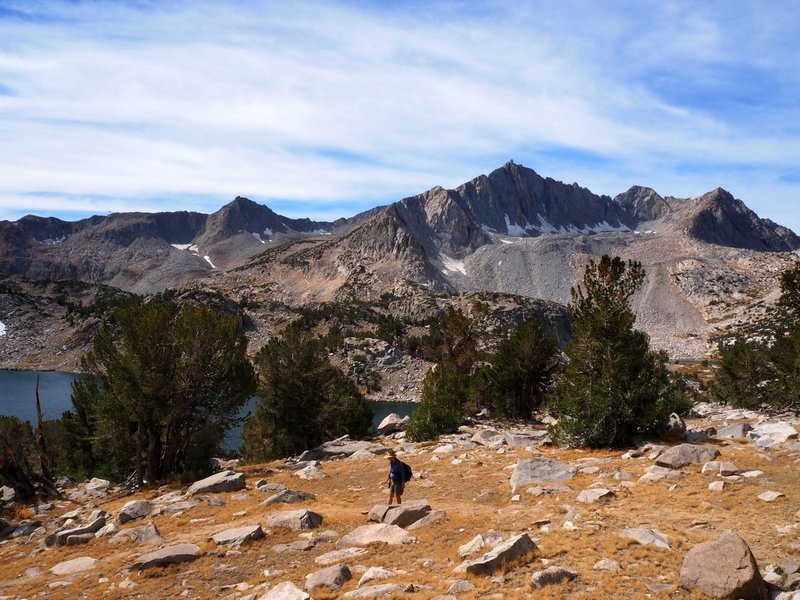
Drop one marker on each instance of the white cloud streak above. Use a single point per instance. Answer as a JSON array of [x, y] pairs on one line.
[[338, 107]]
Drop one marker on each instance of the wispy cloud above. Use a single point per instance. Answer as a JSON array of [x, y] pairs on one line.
[[329, 108]]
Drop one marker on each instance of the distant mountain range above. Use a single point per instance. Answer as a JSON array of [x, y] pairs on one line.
[[708, 259]]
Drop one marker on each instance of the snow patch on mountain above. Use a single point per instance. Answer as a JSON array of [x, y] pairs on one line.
[[515, 230], [51, 241], [452, 265], [545, 226], [2, 329], [190, 247]]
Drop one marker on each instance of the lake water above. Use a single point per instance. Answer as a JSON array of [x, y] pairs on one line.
[[18, 399]]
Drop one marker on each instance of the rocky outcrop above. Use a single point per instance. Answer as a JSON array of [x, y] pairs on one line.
[[224, 481], [401, 515], [295, 519], [539, 470], [76, 565], [135, 509], [329, 578], [368, 534], [236, 536], [170, 555], [513, 549], [683, 455]]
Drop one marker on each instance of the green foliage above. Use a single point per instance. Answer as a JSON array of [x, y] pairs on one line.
[[18, 440], [451, 343], [521, 371], [613, 387], [152, 384], [440, 408], [451, 339], [743, 370], [764, 369], [304, 400]]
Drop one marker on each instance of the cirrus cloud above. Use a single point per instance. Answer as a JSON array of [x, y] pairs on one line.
[[325, 109]]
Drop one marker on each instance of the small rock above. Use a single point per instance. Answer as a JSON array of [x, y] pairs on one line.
[[287, 496], [606, 564], [392, 423], [431, 517], [552, 576], [716, 467], [330, 578], [295, 519], [135, 509], [512, 549], [460, 586], [378, 591], [336, 556], [591, 496], [735, 431], [655, 473], [76, 565], [380, 532], [539, 470], [310, 472], [374, 573], [238, 535], [285, 591], [683, 455], [401, 515], [770, 496], [224, 481], [166, 556], [472, 546], [144, 534], [646, 536]]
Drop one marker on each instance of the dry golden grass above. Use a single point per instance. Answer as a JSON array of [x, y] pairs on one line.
[[477, 498]]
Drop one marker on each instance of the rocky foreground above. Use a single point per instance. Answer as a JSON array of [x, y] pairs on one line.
[[493, 512]]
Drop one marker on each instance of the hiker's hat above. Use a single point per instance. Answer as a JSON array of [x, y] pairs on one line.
[[391, 454]]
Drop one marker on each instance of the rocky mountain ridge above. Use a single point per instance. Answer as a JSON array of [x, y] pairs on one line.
[[711, 262]]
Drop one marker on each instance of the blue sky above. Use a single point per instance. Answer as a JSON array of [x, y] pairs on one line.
[[324, 109]]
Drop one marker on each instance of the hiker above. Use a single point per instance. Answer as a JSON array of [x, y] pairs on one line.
[[396, 477]]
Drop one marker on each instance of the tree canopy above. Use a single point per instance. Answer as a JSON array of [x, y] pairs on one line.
[[761, 365], [303, 399], [612, 386], [161, 385], [521, 371]]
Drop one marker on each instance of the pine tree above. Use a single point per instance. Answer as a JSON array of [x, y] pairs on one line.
[[613, 387], [521, 371], [452, 344], [158, 381], [303, 399], [761, 365]]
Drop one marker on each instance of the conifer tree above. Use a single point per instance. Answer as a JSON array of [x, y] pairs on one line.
[[521, 371], [761, 366], [613, 386], [304, 400], [158, 381]]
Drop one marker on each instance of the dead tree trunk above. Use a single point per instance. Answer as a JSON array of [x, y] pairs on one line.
[[41, 442]]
